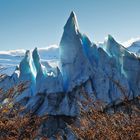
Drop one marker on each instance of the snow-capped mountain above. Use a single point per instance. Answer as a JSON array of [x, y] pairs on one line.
[[133, 45], [108, 73]]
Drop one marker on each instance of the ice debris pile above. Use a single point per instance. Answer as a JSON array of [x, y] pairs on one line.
[[107, 73]]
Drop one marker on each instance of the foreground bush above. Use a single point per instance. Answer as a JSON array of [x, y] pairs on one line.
[[122, 124]]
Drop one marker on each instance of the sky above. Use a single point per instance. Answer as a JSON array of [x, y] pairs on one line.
[[26, 24]]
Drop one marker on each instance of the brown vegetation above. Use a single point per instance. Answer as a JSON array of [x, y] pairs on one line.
[[102, 126], [90, 125]]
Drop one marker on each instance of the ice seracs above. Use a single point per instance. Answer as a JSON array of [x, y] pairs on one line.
[[74, 64], [27, 74], [107, 73], [131, 66], [46, 79], [10, 59], [72, 23]]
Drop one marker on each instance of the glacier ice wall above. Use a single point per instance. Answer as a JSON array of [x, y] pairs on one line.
[[75, 66], [109, 74]]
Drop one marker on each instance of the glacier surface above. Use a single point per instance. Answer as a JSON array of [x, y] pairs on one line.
[[106, 73]]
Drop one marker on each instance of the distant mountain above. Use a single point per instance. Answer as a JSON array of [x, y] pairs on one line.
[[133, 45]]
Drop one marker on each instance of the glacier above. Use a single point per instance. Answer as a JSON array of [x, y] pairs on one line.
[[107, 73], [10, 59], [75, 67]]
